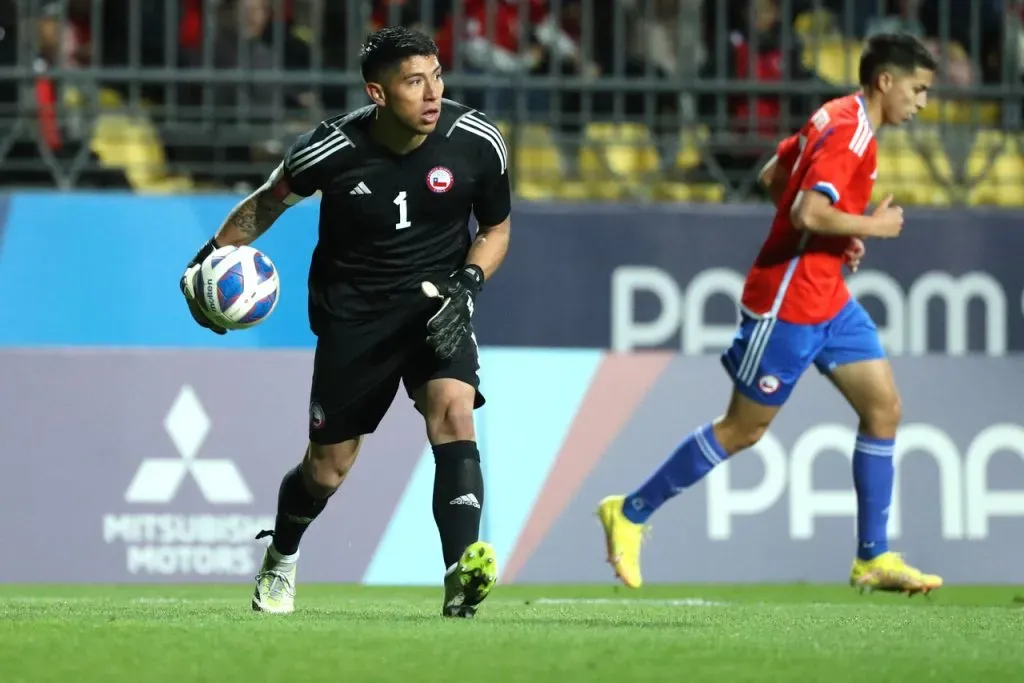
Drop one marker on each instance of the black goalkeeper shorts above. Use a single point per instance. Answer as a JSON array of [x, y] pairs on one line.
[[359, 364]]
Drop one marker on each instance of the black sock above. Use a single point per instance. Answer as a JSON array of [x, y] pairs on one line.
[[296, 510], [458, 497]]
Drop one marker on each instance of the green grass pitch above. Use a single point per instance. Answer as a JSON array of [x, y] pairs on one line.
[[342, 634]]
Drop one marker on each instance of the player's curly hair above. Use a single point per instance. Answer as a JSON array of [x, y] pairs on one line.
[[893, 51], [387, 48]]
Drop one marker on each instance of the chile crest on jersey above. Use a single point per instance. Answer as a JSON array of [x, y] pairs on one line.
[[440, 179]]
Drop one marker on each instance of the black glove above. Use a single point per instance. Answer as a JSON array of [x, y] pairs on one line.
[[451, 326], [188, 288]]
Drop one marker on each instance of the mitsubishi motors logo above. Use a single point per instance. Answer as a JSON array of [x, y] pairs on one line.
[[164, 534], [158, 479]]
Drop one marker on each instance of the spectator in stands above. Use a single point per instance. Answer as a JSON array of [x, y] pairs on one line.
[[54, 134], [402, 13], [516, 40], [245, 39], [753, 124], [60, 43], [924, 19], [658, 43], [906, 16], [957, 65]]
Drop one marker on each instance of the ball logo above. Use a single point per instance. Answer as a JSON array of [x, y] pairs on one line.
[[316, 416], [440, 179], [768, 384], [210, 292]]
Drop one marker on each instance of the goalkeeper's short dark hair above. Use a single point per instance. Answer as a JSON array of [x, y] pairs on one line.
[[389, 47]]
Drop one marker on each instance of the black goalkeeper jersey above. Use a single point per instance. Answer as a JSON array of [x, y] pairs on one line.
[[389, 220]]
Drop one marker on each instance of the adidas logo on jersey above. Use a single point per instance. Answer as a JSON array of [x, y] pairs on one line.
[[361, 188], [467, 499]]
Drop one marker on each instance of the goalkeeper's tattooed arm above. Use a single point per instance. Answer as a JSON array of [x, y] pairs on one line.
[[489, 248], [254, 215]]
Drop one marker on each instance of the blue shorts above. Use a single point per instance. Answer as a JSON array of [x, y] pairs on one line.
[[768, 356]]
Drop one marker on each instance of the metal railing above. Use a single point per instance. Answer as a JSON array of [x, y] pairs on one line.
[[599, 99]]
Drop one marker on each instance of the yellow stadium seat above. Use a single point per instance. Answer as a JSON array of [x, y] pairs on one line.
[[128, 142], [106, 98], [709, 193], [814, 22], [572, 191], [834, 61], [538, 169], [906, 160], [961, 113], [691, 142], [996, 195], [995, 170], [536, 163], [966, 112], [535, 155], [624, 150], [133, 144], [591, 190], [610, 190], [533, 190]]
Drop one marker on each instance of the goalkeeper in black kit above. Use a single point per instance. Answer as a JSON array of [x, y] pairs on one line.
[[393, 281]]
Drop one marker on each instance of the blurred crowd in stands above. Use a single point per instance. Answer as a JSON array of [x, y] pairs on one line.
[[642, 42]]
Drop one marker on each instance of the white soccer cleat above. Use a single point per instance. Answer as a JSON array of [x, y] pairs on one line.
[[275, 583]]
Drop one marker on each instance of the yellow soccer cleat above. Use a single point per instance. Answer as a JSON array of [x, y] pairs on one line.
[[889, 572], [275, 585], [623, 539], [470, 580]]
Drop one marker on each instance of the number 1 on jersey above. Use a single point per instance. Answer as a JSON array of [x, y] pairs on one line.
[[403, 212]]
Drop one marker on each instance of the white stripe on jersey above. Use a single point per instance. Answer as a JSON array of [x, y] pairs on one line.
[[307, 152], [788, 276], [487, 131], [317, 152], [862, 136]]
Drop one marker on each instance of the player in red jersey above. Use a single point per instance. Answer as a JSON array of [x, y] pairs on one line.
[[797, 311]]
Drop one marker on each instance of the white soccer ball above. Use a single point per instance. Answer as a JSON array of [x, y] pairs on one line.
[[238, 287]]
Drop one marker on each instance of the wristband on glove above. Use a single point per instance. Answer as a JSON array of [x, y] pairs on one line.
[[472, 277], [204, 251]]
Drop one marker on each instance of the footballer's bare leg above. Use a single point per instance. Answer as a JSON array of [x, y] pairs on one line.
[[870, 389], [470, 565], [744, 423], [302, 497], [325, 466], [623, 517]]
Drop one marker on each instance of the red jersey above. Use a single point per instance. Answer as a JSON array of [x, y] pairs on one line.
[[798, 276]]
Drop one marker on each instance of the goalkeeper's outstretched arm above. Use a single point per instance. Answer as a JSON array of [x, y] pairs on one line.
[[300, 174], [254, 215]]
